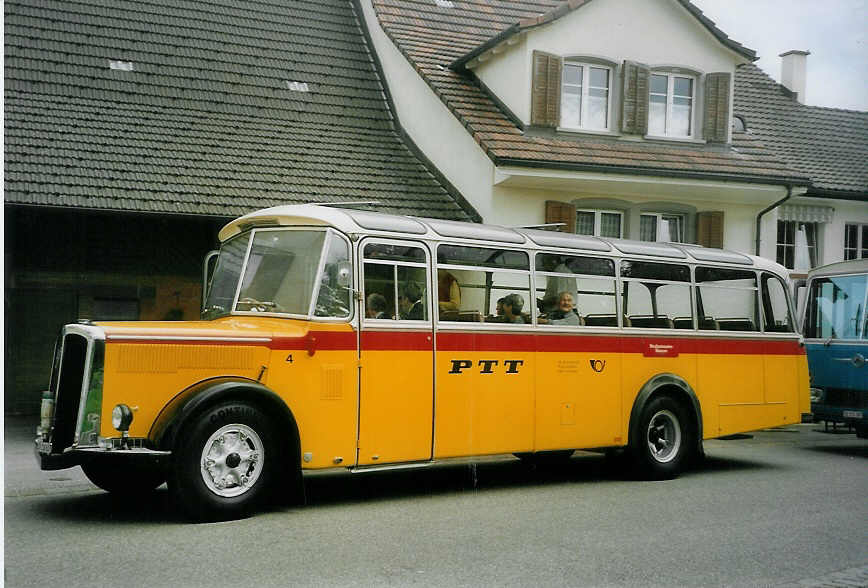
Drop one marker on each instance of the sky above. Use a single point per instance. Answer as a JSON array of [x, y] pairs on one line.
[[834, 31]]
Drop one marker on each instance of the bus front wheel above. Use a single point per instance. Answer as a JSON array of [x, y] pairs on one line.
[[225, 462], [663, 439]]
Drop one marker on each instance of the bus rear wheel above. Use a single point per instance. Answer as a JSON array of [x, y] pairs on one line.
[[663, 439], [225, 462]]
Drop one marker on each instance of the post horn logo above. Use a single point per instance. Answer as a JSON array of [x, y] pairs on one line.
[[598, 365]]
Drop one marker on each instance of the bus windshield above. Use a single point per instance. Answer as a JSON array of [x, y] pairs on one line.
[[280, 271], [836, 308]]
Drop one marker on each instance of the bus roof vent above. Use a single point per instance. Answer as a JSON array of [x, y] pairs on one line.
[[648, 248], [706, 254], [474, 231], [557, 239], [387, 222]]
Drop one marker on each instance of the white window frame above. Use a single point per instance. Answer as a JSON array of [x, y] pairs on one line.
[[598, 215], [861, 246], [586, 86], [670, 87], [659, 225], [814, 260]]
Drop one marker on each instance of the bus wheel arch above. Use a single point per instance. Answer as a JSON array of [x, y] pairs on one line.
[[665, 431], [242, 409]]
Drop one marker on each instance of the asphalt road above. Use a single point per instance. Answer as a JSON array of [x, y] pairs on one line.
[[785, 507]]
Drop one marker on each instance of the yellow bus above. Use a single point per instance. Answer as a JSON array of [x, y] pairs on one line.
[[338, 338]]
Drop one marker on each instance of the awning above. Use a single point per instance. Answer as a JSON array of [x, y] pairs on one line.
[[806, 214]]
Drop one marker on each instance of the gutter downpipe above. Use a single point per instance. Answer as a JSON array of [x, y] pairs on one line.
[[766, 210]]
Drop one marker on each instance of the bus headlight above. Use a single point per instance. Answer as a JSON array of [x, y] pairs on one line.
[[122, 417], [817, 395]]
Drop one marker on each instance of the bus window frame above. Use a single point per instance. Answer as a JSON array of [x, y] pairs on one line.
[[810, 301], [396, 323], [314, 291], [528, 273], [621, 280]]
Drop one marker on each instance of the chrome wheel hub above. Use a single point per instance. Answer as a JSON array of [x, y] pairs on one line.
[[664, 436], [232, 460]]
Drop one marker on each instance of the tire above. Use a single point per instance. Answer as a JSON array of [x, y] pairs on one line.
[[663, 439], [225, 462], [123, 477], [862, 431]]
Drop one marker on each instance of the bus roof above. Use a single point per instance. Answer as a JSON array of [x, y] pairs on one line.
[[351, 221], [854, 266]]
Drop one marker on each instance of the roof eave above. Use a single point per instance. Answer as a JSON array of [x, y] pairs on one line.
[[662, 172]]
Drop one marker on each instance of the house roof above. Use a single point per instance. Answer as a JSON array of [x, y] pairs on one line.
[[432, 36], [562, 8], [211, 108], [828, 144]]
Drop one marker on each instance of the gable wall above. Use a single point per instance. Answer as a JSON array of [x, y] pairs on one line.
[[655, 32]]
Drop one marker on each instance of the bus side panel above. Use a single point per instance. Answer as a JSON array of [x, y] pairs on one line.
[[154, 373], [321, 392], [578, 399], [727, 380], [484, 403]]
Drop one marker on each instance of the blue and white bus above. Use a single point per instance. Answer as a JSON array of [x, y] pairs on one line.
[[835, 327]]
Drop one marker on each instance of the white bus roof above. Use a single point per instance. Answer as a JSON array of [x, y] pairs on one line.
[[854, 266], [357, 221]]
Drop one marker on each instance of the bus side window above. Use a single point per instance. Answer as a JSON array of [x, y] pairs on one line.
[[493, 284], [775, 307], [727, 299], [654, 294]]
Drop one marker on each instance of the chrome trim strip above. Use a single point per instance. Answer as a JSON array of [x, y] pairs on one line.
[[183, 338]]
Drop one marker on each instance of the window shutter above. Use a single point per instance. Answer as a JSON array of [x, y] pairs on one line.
[[709, 229], [545, 104], [561, 212], [715, 126], [634, 103]]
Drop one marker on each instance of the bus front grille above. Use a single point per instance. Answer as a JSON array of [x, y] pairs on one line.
[[67, 397], [846, 398]]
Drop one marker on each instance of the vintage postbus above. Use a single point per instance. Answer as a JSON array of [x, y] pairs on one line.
[[335, 338], [836, 336]]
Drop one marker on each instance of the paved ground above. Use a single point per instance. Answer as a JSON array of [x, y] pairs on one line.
[[786, 507]]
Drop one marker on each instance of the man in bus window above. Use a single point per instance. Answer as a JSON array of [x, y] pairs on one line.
[[376, 306], [410, 303], [512, 305], [565, 314]]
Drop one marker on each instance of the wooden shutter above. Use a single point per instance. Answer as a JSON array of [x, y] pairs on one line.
[[709, 229], [561, 212], [634, 98], [545, 103], [715, 126]]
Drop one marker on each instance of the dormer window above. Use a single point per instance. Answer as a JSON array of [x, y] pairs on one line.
[[585, 96], [670, 110]]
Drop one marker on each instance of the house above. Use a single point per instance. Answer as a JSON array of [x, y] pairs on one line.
[[830, 145], [611, 117], [134, 131]]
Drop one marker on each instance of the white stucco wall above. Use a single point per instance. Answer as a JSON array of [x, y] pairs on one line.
[[659, 33], [429, 123]]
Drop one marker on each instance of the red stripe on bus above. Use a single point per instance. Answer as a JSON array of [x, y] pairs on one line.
[[317, 340]]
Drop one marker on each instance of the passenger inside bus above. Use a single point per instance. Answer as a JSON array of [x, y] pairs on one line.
[[448, 291], [410, 302], [375, 306], [512, 305], [564, 314], [556, 285]]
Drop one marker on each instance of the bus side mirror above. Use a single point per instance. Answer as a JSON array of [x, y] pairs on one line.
[[207, 271], [345, 274]]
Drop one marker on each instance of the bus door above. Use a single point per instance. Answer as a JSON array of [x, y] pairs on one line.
[[396, 353]]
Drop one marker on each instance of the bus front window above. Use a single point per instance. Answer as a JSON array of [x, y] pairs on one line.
[[279, 273]]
